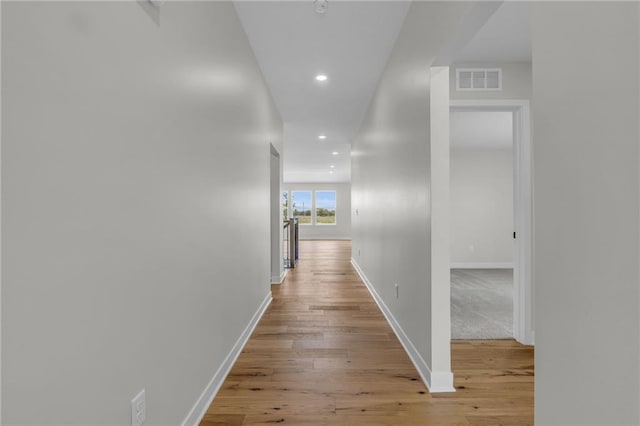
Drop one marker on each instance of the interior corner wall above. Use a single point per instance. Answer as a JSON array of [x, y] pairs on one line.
[[586, 215], [342, 229], [391, 179], [482, 208], [131, 135]]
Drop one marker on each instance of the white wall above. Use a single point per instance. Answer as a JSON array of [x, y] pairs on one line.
[[391, 176], [342, 229], [482, 208], [516, 81], [130, 137], [585, 104]]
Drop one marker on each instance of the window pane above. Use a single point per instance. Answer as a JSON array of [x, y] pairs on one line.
[[285, 205], [325, 207], [301, 206]]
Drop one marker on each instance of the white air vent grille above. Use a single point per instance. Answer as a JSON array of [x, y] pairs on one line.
[[478, 79]]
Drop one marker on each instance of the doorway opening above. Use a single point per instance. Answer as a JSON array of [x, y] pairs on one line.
[[481, 218], [277, 269], [491, 221]]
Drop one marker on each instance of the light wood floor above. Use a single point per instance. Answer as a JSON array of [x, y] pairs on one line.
[[323, 354]]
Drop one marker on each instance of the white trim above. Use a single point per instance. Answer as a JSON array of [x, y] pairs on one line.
[[280, 279], [199, 409], [1, 229], [440, 239], [482, 265], [523, 202], [435, 381]]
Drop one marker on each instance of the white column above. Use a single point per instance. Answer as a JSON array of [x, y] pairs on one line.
[[441, 375]]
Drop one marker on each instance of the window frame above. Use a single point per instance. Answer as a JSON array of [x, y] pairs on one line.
[[311, 207], [335, 207]]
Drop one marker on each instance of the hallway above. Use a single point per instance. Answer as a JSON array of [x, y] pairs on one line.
[[324, 354]]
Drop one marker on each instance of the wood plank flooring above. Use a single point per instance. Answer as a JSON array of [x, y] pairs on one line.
[[323, 354]]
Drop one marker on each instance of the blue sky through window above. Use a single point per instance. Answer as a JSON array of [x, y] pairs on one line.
[[326, 200], [301, 199]]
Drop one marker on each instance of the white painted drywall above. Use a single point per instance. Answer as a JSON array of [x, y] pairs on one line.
[[391, 176], [516, 81], [482, 208], [342, 229], [135, 199], [585, 104]]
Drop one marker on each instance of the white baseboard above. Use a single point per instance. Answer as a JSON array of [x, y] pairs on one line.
[[481, 265], [204, 401], [435, 381], [278, 280]]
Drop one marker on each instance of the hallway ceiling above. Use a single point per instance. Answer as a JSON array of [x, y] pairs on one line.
[[351, 44]]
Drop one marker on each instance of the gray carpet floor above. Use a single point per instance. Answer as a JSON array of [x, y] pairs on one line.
[[481, 303]]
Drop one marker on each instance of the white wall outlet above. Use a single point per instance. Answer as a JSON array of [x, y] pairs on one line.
[[139, 409], [397, 290]]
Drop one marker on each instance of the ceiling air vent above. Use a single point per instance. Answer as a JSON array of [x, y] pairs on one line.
[[478, 79]]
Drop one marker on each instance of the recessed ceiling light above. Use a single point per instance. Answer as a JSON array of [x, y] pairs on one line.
[[321, 77], [332, 166], [321, 6], [330, 172], [335, 153], [322, 137]]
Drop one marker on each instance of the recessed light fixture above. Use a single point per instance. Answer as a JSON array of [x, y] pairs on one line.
[[335, 153], [322, 137], [321, 6], [330, 172], [321, 77], [332, 166]]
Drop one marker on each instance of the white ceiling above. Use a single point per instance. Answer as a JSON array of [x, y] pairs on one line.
[[351, 43], [480, 130]]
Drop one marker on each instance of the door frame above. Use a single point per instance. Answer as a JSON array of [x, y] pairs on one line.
[[275, 204], [523, 330]]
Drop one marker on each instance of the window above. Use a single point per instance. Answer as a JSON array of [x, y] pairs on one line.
[[285, 206], [325, 207], [301, 206], [310, 207]]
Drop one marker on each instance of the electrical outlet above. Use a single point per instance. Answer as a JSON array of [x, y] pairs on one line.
[[397, 290], [139, 409]]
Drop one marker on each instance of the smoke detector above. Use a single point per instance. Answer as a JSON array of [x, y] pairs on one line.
[[321, 6]]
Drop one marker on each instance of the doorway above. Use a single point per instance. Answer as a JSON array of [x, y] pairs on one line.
[[521, 294], [481, 218], [277, 269]]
